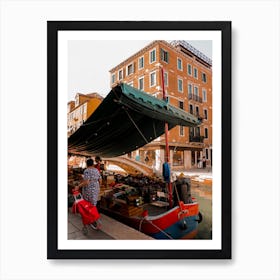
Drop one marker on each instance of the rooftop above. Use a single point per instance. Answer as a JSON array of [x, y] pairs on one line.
[[192, 49]]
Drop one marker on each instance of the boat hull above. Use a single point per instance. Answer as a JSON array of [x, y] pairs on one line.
[[182, 229], [180, 222]]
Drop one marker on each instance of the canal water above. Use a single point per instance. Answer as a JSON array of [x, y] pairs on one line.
[[203, 194]]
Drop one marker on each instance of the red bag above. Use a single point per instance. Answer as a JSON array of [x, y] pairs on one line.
[[88, 211]]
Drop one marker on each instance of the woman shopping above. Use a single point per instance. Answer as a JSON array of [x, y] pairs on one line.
[[91, 183]]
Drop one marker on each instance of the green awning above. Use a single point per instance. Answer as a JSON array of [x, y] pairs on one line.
[[126, 120]]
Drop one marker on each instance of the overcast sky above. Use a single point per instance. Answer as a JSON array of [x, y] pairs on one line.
[[89, 62]]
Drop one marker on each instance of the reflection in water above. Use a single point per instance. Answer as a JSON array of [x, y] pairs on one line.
[[203, 194]]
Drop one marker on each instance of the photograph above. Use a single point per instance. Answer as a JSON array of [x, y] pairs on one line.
[[138, 116], [131, 171]]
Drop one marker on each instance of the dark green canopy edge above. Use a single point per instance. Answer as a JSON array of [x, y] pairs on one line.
[[126, 120]]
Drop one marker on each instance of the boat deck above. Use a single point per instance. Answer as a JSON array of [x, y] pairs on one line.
[[155, 208]]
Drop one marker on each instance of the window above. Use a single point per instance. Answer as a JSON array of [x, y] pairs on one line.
[[195, 73], [120, 74], [191, 109], [197, 111], [152, 56], [141, 83], [165, 75], [203, 77], [181, 131], [189, 89], [141, 62], [130, 69], [189, 69], [181, 105], [194, 131], [152, 79], [113, 79], [164, 55], [204, 95], [180, 85], [197, 131], [178, 158], [205, 114], [195, 89], [205, 132], [179, 64], [191, 131]]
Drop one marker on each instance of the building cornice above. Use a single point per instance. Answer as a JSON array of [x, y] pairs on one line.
[[151, 45]]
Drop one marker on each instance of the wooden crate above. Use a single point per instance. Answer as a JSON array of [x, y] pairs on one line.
[[129, 210]]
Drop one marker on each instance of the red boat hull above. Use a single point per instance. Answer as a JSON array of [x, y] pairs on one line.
[[179, 222]]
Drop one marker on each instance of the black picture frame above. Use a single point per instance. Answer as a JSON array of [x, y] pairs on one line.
[[53, 27]]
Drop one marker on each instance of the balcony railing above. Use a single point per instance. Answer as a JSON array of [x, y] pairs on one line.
[[197, 139], [194, 97]]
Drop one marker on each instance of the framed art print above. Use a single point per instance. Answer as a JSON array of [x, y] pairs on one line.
[[139, 140]]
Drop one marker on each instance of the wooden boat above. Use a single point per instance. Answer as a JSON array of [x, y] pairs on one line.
[[145, 208], [128, 119]]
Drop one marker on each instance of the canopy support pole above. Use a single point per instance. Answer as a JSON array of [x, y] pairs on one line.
[[169, 184], [135, 125]]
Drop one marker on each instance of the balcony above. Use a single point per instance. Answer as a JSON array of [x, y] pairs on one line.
[[194, 97], [197, 139]]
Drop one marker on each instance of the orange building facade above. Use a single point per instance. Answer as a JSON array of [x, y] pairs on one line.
[[79, 110], [188, 85]]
